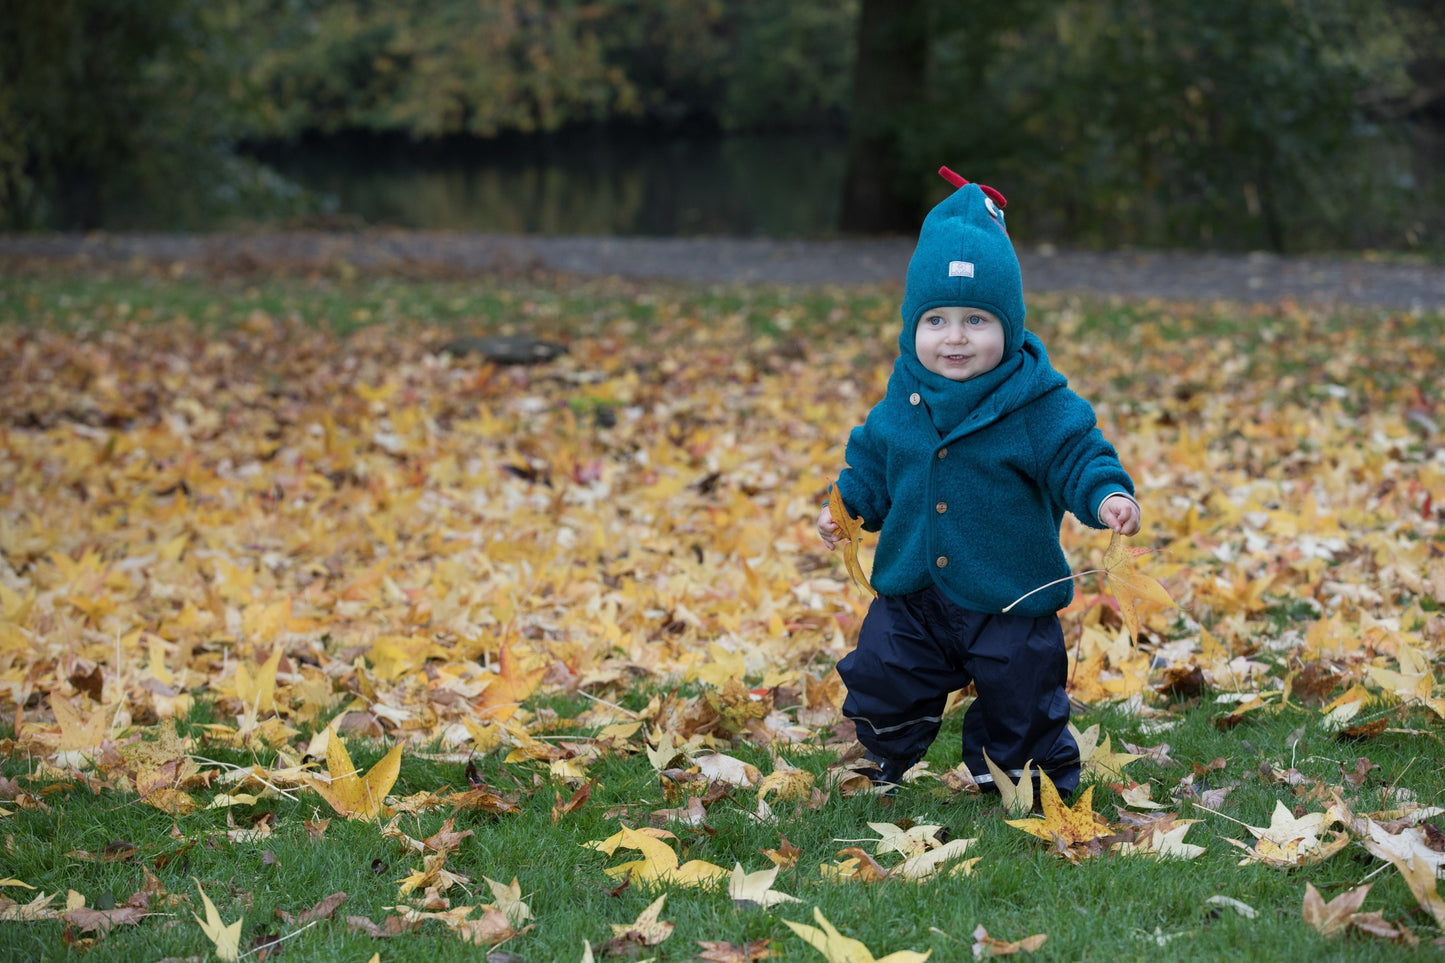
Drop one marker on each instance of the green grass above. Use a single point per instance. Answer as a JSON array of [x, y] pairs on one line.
[[1107, 908]]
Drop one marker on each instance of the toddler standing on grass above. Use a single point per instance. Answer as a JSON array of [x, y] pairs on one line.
[[965, 469]]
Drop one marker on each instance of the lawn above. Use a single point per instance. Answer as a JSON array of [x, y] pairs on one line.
[[245, 521]]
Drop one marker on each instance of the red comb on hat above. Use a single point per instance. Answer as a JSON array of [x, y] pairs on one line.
[[958, 180]]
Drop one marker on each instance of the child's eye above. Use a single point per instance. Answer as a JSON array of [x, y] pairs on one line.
[[977, 319]]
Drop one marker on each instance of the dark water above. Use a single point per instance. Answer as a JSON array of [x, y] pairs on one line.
[[784, 185], [789, 185]]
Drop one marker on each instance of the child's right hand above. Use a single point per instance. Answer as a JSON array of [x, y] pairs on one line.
[[828, 529]]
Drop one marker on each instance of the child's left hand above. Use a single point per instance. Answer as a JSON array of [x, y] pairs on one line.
[[1121, 514]]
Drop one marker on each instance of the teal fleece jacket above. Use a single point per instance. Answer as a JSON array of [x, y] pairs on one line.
[[975, 509]]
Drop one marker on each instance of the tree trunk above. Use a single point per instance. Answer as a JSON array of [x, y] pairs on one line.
[[878, 195]]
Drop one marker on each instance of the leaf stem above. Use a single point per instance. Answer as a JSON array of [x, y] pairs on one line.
[[1069, 578]]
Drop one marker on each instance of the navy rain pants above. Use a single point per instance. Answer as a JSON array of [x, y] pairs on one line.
[[913, 650]]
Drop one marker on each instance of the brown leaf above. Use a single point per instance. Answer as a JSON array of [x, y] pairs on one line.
[[733, 953], [571, 805], [89, 920], [321, 911], [1336, 915], [869, 870], [785, 856]]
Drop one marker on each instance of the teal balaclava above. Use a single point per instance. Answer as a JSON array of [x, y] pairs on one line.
[[964, 257]]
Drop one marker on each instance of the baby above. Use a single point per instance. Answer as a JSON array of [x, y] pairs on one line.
[[965, 469]]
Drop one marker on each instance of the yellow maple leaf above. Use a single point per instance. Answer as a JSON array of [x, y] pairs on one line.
[[659, 862], [1016, 796], [353, 796], [76, 733], [837, 948], [226, 937], [1108, 763], [756, 889], [1128, 585], [786, 782], [256, 687], [1122, 580], [851, 531], [647, 929], [1070, 825]]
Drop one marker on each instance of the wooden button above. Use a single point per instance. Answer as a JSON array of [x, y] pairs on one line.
[[943, 453], [943, 561], [914, 398], [941, 507]]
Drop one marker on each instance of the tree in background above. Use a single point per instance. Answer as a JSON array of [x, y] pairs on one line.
[[1108, 121], [880, 192], [1151, 120], [117, 112]]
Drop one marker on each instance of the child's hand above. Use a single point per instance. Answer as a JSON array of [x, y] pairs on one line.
[[828, 529], [1121, 514]]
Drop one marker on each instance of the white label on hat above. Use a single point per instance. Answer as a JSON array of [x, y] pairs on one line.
[[960, 269]]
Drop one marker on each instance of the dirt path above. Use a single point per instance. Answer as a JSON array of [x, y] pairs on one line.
[[1171, 275]]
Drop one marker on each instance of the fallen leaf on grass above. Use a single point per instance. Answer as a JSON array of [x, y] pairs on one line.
[[1419, 875], [659, 862], [755, 890], [837, 948], [1164, 844], [353, 796], [1336, 915], [509, 900], [785, 855], [1289, 841], [226, 937], [985, 945], [323, 910], [577, 799], [432, 874], [1072, 828], [37, 909], [906, 842], [89, 920], [1107, 763], [646, 930], [714, 952], [925, 865], [1017, 797], [786, 782], [1243, 909]]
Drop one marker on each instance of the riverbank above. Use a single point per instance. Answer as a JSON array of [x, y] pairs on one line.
[[1173, 275]]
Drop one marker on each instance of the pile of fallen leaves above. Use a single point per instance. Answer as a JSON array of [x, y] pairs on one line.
[[344, 538]]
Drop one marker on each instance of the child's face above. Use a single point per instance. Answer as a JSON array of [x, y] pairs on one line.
[[959, 343]]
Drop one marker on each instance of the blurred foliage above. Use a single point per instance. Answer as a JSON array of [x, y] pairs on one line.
[[1112, 121], [1149, 121], [116, 111], [432, 68]]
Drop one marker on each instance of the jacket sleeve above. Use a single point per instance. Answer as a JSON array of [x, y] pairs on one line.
[[1076, 464], [864, 483]]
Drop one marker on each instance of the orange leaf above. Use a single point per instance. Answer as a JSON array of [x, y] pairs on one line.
[[852, 529], [512, 686]]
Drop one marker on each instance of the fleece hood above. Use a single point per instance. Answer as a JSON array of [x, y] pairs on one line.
[[964, 258]]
